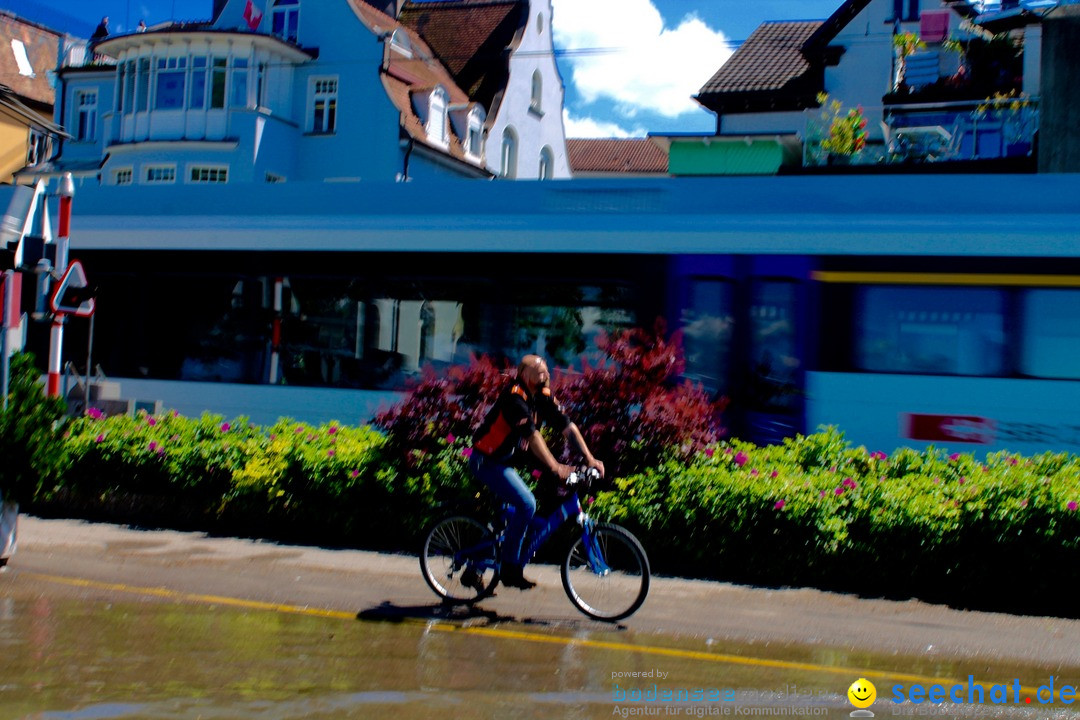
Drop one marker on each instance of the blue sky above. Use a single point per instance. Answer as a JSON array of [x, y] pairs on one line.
[[629, 66]]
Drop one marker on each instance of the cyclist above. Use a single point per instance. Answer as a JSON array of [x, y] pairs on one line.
[[513, 426]]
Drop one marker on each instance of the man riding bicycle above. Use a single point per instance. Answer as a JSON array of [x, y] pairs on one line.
[[513, 426]]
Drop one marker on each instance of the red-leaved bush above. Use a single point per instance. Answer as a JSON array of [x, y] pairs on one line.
[[630, 407]]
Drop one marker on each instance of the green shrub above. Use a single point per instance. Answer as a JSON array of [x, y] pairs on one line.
[[30, 428]]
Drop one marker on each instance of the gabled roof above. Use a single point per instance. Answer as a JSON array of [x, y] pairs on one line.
[[473, 39], [835, 23], [42, 50], [405, 76], [616, 155], [771, 63]]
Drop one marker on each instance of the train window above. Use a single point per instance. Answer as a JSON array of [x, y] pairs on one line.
[[707, 325], [933, 330], [775, 362], [1051, 342]]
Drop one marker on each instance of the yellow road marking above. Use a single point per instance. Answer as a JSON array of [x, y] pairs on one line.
[[505, 634]]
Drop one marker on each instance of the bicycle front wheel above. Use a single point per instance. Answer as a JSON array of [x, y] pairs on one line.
[[606, 573], [459, 560]]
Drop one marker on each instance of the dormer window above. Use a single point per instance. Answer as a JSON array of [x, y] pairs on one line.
[[400, 42], [285, 20], [436, 126]]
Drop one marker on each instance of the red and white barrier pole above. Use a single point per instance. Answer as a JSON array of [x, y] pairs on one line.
[[275, 339], [56, 334]]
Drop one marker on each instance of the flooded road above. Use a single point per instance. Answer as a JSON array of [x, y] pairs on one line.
[[79, 646]]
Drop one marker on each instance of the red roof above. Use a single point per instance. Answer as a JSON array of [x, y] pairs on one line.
[[42, 46], [633, 155], [471, 37]]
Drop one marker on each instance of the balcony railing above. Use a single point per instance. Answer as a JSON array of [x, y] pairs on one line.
[[940, 132]]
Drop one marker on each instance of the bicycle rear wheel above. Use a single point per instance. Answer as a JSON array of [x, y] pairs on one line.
[[459, 560], [606, 573]]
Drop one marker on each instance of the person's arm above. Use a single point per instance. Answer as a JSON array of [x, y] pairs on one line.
[[540, 449], [574, 434]]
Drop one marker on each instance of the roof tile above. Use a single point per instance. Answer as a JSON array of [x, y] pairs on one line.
[[769, 59], [614, 155]]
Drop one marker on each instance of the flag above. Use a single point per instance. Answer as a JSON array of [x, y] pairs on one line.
[[252, 15]]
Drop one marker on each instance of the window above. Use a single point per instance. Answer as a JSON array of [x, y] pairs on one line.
[[436, 122], [774, 358], [169, 88], [476, 140], [274, 178], [197, 99], [86, 115], [123, 176], [1050, 346], [217, 83], [508, 168], [324, 105], [286, 19], [708, 324], [121, 72], [18, 49], [160, 174], [238, 86], [899, 7], [931, 330], [129, 86], [209, 174], [38, 147], [142, 98], [537, 102], [547, 163]]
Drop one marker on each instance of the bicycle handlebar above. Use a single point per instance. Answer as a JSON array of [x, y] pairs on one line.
[[583, 476]]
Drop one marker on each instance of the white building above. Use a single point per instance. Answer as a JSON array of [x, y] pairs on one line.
[[501, 53], [328, 91]]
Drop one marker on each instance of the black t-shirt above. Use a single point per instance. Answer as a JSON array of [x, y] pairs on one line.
[[515, 417]]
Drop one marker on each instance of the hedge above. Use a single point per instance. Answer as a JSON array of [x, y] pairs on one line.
[[1001, 532]]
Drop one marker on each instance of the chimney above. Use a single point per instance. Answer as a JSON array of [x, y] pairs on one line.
[[219, 5]]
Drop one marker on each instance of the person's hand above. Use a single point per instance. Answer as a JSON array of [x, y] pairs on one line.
[[563, 471], [594, 463]]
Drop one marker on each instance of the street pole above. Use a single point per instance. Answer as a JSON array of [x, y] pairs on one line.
[[56, 334], [5, 361]]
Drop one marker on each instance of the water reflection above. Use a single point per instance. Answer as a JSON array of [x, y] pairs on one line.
[[81, 658]]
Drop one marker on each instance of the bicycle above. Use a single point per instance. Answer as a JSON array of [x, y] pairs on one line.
[[605, 574]]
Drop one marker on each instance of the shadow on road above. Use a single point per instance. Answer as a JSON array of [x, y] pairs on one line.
[[387, 611]]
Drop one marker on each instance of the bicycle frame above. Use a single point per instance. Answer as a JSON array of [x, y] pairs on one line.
[[539, 531]]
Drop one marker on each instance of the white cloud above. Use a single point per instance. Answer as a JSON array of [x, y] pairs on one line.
[[586, 127], [627, 55]]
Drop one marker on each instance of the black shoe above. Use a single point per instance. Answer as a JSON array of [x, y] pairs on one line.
[[471, 579], [512, 577]]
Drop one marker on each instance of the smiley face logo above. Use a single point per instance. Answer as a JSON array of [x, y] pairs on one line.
[[862, 693]]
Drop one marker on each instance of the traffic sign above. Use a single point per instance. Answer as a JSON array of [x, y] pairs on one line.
[[73, 296]]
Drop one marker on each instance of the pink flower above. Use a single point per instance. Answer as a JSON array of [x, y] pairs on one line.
[[310, 437], [466, 452], [175, 438], [590, 501], [536, 474], [963, 480], [1023, 503], [727, 451], [94, 413], [741, 458], [822, 494], [299, 429], [99, 438], [225, 427], [1012, 461], [1072, 505], [849, 483], [151, 421], [832, 469], [773, 474], [330, 453], [450, 438], [332, 430], [754, 472], [708, 452], [954, 457], [272, 437], [937, 481], [176, 413], [839, 490], [153, 446], [355, 473], [878, 455], [779, 504], [161, 452]]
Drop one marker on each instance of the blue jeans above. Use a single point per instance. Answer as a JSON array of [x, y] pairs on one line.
[[508, 486]]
